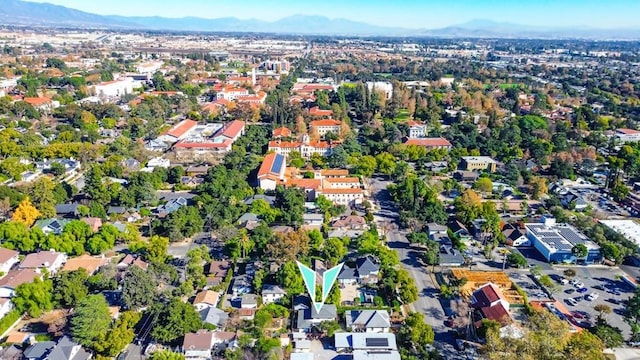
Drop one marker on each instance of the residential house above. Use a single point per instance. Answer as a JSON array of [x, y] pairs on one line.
[[459, 229], [308, 317], [131, 164], [347, 276], [434, 229], [573, 200], [15, 278], [131, 260], [51, 261], [381, 343], [272, 294], [350, 222], [67, 349], [367, 269], [90, 263], [67, 210], [39, 350], [197, 346], [478, 163], [8, 258], [312, 221], [217, 272], [156, 145], [248, 221], [51, 226], [515, 235], [268, 199], [214, 316], [370, 321], [490, 303], [171, 206], [205, 299], [93, 222], [241, 284], [5, 306], [224, 339], [249, 301], [159, 162]]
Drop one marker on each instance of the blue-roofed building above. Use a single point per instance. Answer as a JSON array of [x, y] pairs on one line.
[[556, 241], [271, 172], [171, 206]]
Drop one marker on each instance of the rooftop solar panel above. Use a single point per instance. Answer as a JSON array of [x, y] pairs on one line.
[[377, 342], [278, 161]]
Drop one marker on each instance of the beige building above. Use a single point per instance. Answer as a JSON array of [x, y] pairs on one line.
[[478, 163]]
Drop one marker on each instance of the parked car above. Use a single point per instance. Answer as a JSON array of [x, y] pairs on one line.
[[572, 302], [578, 285], [582, 290], [564, 281], [592, 296], [570, 291]]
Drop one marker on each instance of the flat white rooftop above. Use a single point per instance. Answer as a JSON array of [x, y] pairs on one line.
[[627, 228]]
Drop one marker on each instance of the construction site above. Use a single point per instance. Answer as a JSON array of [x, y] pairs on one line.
[[471, 280]]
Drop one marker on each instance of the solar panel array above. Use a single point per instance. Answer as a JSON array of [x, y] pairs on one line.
[[559, 237], [278, 161], [378, 342]]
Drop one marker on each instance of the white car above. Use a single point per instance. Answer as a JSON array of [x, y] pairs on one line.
[[564, 281], [578, 285], [574, 281], [572, 302], [592, 296]]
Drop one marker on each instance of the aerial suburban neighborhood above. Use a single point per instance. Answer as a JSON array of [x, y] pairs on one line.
[[473, 196]]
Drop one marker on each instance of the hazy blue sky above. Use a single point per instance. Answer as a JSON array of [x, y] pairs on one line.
[[404, 13]]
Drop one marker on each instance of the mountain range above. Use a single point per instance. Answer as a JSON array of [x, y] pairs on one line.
[[18, 12]]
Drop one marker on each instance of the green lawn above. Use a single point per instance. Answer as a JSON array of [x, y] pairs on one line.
[[505, 86]]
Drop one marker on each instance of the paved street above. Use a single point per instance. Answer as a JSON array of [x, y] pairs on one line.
[[428, 302]]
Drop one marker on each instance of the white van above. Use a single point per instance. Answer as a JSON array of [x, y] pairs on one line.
[[592, 296]]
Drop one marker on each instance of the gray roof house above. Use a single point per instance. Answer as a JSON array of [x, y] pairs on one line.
[[214, 316], [67, 210], [371, 321], [272, 293], [39, 350], [51, 226], [347, 276], [368, 342], [367, 269], [67, 349], [307, 317]]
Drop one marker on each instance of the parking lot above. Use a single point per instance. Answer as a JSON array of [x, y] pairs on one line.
[[605, 285]]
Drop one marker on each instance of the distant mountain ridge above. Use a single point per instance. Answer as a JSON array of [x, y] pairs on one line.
[[19, 12]]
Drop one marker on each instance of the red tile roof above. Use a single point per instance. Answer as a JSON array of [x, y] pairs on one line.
[[181, 128], [314, 184], [203, 145], [414, 123], [341, 191], [325, 122], [429, 142], [37, 101], [233, 129], [282, 132], [316, 111], [267, 164]]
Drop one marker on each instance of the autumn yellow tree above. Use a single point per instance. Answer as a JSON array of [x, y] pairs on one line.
[[25, 213], [538, 187]]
